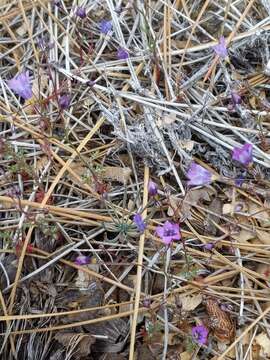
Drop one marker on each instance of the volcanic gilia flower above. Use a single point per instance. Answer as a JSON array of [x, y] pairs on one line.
[[82, 260], [243, 154], [200, 334], [20, 84], [138, 220], [81, 12], [64, 101], [198, 175], [152, 188], [105, 26], [168, 232], [221, 49], [122, 54]]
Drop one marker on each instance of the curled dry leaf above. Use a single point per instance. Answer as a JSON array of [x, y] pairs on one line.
[[190, 303], [220, 322]]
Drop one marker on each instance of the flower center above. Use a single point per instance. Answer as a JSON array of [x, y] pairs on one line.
[[169, 232]]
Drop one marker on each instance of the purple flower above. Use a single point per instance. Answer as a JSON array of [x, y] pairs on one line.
[[122, 54], [236, 98], [168, 232], [209, 246], [243, 154], [200, 334], [64, 101], [152, 188], [221, 49], [198, 175], [81, 12], [105, 26], [138, 220], [20, 84], [82, 260]]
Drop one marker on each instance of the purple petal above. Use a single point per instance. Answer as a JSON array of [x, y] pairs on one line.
[[64, 101], [198, 175], [160, 231], [167, 240], [221, 49], [82, 260], [105, 26], [243, 154], [200, 334], [81, 12], [20, 84], [236, 98], [152, 188], [138, 220], [209, 246], [122, 54]]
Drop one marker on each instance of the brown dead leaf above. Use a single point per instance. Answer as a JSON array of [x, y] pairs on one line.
[[193, 197], [264, 342], [259, 213], [190, 303], [243, 236], [115, 173], [264, 269], [83, 341], [186, 355], [264, 236]]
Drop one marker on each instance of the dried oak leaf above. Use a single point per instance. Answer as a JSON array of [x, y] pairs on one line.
[[220, 322]]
